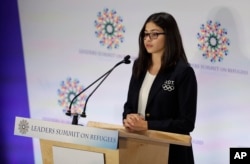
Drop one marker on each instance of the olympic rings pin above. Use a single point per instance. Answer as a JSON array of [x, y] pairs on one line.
[[168, 85]]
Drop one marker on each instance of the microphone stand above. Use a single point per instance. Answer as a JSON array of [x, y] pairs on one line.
[[103, 77], [75, 115]]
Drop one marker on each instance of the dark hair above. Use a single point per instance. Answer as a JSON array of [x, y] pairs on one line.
[[174, 50]]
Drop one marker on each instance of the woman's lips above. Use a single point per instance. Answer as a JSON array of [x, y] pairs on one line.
[[149, 46]]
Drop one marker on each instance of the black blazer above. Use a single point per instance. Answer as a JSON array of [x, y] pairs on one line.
[[171, 105]]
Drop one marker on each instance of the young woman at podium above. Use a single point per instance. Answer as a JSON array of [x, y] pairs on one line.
[[162, 93]]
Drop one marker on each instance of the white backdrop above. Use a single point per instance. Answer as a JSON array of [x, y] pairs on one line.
[[63, 53]]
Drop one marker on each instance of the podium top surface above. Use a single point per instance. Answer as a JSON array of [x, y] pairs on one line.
[[149, 135]]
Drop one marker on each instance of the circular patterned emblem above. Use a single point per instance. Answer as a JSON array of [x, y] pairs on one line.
[[109, 28], [213, 41], [69, 89], [23, 126]]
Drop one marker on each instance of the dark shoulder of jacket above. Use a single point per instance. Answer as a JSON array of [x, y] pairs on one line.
[[181, 66]]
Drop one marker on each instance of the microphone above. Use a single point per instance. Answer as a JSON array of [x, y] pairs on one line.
[[125, 60]]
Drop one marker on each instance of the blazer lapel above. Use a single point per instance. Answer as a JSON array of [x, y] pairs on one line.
[[156, 86], [159, 81]]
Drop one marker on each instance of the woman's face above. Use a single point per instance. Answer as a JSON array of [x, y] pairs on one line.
[[154, 39]]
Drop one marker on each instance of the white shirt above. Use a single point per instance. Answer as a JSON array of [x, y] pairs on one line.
[[144, 92]]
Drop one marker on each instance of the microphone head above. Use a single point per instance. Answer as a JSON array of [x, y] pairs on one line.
[[126, 59]]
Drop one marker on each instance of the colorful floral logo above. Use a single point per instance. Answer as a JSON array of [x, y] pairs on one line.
[[23, 126], [109, 28], [68, 90], [213, 41]]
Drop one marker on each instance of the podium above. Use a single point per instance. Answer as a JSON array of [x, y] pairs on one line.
[[133, 148], [129, 148]]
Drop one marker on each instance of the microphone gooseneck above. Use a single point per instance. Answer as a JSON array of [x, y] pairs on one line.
[[125, 60], [68, 113]]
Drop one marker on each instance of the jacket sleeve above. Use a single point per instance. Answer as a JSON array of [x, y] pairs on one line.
[[128, 106]]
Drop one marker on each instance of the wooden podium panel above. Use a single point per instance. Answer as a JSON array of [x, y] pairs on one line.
[[134, 151], [148, 147]]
